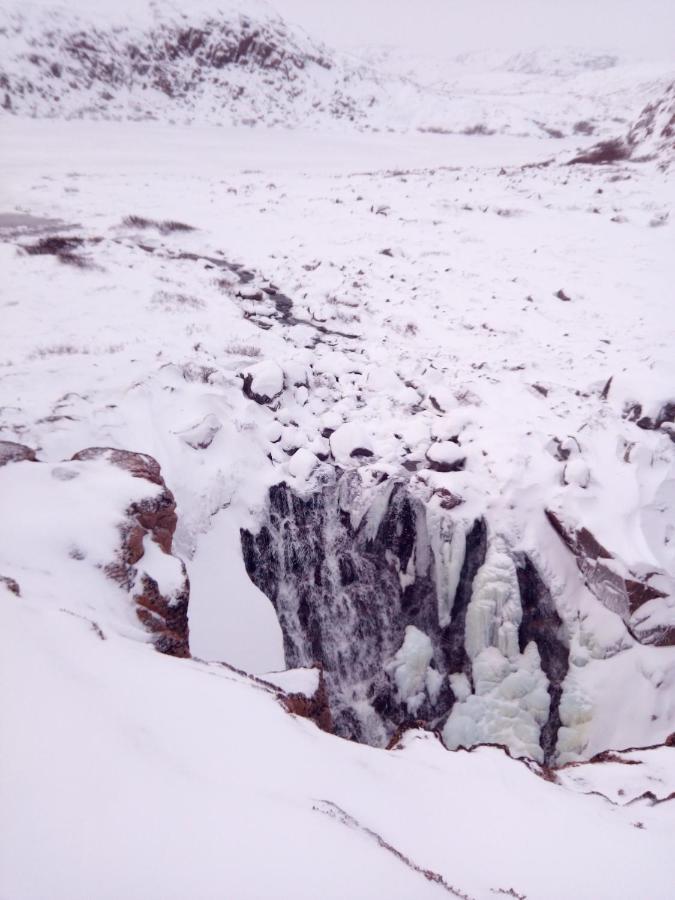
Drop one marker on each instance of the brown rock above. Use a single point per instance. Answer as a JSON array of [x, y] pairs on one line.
[[11, 452], [623, 595], [155, 515], [315, 707], [140, 465]]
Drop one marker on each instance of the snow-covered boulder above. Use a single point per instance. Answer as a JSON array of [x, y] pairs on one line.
[[104, 533], [446, 456], [201, 435], [351, 442], [302, 464], [577, 472], [264, 381]]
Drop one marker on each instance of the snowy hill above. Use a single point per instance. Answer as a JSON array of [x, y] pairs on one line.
[[221, 63], [233, 67]]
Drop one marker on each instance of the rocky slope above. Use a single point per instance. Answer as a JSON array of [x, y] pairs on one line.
[[651, 137], [221, 65]]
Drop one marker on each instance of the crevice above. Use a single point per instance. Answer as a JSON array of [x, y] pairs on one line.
[[347, 589], [452, 637], [542, 624]]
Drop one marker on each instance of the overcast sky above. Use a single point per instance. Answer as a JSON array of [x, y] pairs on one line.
[[646, 27]]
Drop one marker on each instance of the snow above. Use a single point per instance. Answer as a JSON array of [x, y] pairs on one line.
[[295, 681], [170, 778], [267, 380], [125, 373], [302, 464], [230, 619], [348, 438], [445, 453], [173, 778]]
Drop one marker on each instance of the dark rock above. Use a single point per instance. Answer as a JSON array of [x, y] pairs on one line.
[[604, 153], [11, 452], [542, 624], [623, 594], [338, 593], [11, 585], [261, 399]]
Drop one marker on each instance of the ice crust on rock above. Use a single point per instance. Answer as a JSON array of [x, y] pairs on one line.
[[449, 550], [576, 712], [410, 668], [495, 611], [510, 700]]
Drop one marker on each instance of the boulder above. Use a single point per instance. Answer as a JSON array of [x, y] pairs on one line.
[[263, 382], [11, 452], [446, 456], [154, 516], [350, 442], [610, 581]]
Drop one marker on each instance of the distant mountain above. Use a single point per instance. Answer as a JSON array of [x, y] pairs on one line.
[[235, 63], [239, 66]]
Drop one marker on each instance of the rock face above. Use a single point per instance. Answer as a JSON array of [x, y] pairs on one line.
[[11, 452], [612, 583], [652, 136], [95, 520], [244, 68], [379, 592], [315, 706], [154, 518]]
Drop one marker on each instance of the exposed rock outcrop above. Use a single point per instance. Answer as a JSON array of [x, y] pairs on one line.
[[315, 706], [152, 517], [11, 584], [11, 452], [375, 589], [245, 67], [650, 137], [610, 581]]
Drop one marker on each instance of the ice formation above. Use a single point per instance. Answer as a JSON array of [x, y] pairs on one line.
[[509, 702]]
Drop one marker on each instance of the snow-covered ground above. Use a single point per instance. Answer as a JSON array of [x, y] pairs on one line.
[[130, 774], [127, 755], [461, 316]]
